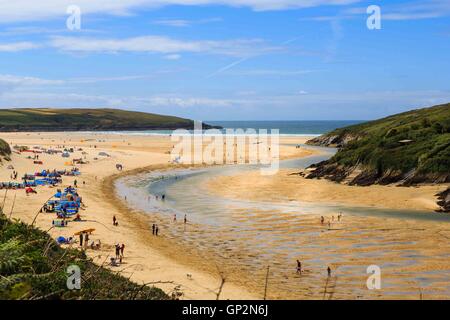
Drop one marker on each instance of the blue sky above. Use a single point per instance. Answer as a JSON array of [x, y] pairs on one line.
[[227, 59]]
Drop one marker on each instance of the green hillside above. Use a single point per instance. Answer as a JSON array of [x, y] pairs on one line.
[[410, 147], [86, 119]]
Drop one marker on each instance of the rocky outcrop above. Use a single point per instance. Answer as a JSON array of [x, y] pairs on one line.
[[444, 200], [364, 176], [333, 140], [5, 150]]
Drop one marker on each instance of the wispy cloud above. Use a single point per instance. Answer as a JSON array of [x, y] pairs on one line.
[[31, 30], [17, 46], [161, 44], [27, 10], [413, 10], [268, 72], [172, 57], [184, 22], [7, 79], [27, 81]]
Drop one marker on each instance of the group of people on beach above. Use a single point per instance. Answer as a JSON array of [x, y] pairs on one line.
[[322, 221], [299, 268], [155, 229], [14, 175]]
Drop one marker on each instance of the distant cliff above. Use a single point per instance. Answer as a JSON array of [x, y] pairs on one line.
[[407, 148], [88, 120]]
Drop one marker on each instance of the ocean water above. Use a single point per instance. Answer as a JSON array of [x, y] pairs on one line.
[[286, 128], [296, 127]]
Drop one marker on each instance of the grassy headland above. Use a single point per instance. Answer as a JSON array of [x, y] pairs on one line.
[[87, 120], [408, 148]]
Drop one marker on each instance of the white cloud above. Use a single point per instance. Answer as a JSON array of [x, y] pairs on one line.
[[7, 79], [409, 11], [172, 57], [160, 44], [184, 23], [268, 72], [32, 10], [17, 46]]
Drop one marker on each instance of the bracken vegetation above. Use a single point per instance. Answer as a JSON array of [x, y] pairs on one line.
[[34, 266], [410, 147]]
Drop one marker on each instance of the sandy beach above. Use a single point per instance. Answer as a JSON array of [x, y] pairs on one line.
[[145, 261], [174, 262]]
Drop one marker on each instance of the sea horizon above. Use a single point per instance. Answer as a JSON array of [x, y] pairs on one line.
[[296, 128]]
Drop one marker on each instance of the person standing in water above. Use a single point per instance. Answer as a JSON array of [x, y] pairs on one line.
[[185, 219]]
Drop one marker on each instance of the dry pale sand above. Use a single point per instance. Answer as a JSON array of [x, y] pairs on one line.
[[147, 259]]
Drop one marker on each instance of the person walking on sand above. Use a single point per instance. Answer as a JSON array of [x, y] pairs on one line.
[[153, 229], [322, 220], [86, 239], [81, 239], [299, 267], [117, 250], [185, 219], [75, 183], [156, 230], [329, 271], [114, 220], [122, 248]]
